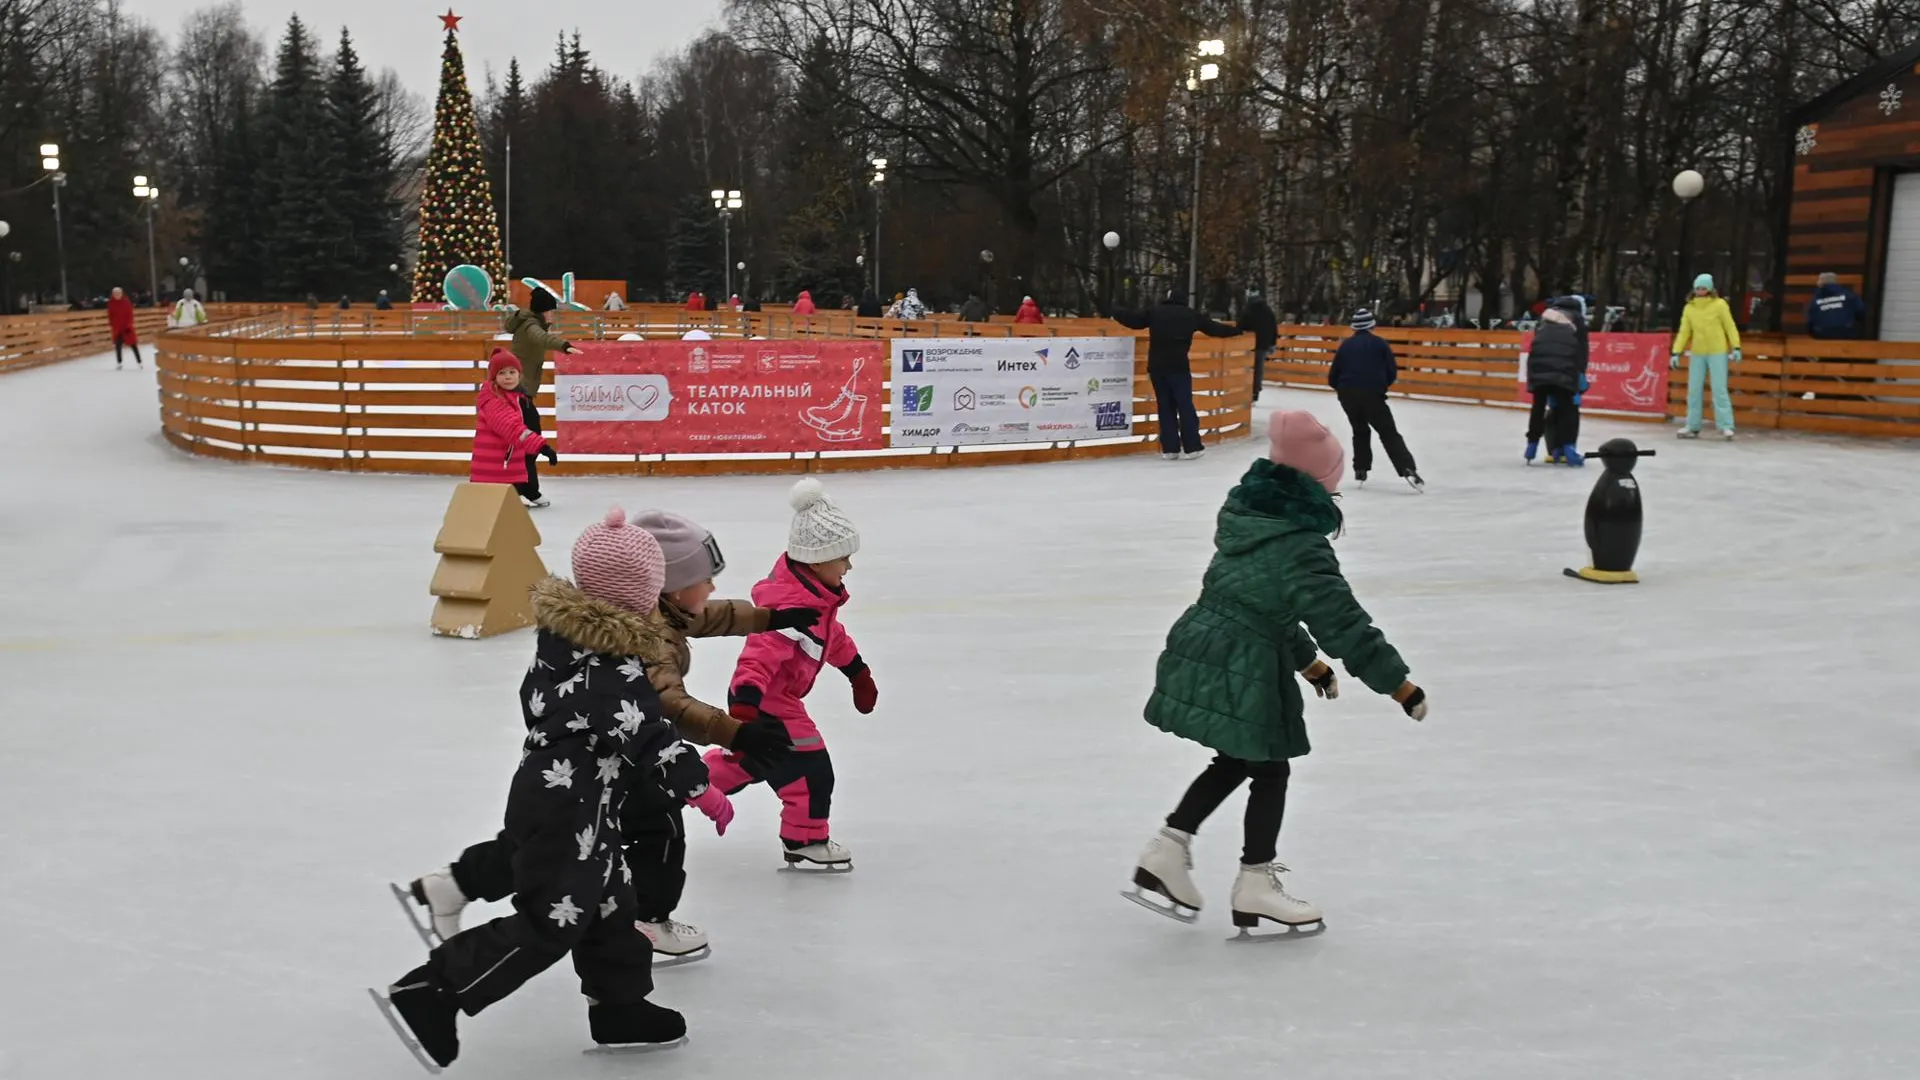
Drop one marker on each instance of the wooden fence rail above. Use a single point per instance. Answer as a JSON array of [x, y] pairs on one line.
[[397, 395], [28, 341]]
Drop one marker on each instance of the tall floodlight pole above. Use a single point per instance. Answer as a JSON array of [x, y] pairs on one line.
[[727, 202], [879, 186], [151, 196], [50, 161], [1205, 71]]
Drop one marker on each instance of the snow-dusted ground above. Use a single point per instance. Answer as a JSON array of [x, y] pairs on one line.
[[1659, 832]]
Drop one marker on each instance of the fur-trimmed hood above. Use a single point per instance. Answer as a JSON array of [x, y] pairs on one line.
[[1272, 499], [562, 609]]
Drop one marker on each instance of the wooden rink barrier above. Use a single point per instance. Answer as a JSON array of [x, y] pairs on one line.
[[393, 391], [1865, 388]]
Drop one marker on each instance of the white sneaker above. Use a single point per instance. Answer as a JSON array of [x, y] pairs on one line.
[[674, 938], [1258, 894], [1166, 867], [1170, 456], [823, 853], [441, 896]]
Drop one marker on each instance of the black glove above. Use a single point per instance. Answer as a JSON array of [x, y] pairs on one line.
[[765, 739], [1415, 704], [791, 618], [552, 456]]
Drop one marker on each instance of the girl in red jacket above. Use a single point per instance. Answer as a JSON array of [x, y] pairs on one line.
[[120, 321], [1029, 313], [501, 438], [778, 667]]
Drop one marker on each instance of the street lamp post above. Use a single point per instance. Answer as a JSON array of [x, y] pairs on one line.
[[50, 162], [1110, 242], [1687, 186], [1205, 71], [986, 274], [6, 274], [151, 195], [727, 202], [879, 186]]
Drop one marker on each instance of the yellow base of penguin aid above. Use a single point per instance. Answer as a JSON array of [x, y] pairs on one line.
[[1605, 577]]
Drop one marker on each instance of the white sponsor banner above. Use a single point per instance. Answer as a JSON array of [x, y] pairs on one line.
[[962, 391]]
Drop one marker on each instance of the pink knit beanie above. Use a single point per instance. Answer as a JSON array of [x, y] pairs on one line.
[[619, 563], [1300, 440]]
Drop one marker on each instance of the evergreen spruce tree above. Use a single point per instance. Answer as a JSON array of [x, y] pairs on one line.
[[820, 230], [365, 182], [694, 249], [457, 222], [303, 249]]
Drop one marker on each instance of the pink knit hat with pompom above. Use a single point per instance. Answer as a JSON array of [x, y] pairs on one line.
[[1300, 440], [619, 563]]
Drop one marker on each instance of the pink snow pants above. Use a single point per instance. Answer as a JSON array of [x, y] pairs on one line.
[[803, 780]]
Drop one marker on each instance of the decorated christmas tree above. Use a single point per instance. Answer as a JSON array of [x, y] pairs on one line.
[[457, 223]]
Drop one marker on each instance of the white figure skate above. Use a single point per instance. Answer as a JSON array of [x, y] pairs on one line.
[[675, 943], [1164, 871], [844, 418], [824, 857], [1258, 894], [441, 896]]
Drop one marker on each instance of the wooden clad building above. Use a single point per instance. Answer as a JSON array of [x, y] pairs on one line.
[[1855, 208]]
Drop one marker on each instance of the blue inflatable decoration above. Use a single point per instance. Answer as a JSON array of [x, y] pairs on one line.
[[468, 288]]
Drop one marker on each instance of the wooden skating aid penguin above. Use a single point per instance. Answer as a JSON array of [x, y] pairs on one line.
[[1613, 516]]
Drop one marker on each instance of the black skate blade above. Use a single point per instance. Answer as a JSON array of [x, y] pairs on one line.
[[1172, 909], [797, 865], [407, 906], [1288, 932], [662, 961], [399, 1027], [620, 1049]]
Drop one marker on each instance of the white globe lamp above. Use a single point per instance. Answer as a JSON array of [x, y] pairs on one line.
[[1688, 184]]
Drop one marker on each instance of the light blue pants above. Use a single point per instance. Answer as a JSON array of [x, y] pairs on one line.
[[1697, 370]]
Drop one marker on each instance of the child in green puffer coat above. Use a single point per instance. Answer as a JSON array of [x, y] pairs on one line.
[[1225, 679]]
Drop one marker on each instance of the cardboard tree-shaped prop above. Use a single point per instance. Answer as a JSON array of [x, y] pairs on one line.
[[489, 559]]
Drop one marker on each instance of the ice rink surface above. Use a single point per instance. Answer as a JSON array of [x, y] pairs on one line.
[[1665, 831]]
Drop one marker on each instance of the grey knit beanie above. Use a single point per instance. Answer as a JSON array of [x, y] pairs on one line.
[[692, 554]]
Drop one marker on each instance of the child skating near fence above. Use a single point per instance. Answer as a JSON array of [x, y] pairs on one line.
[[777, 669]]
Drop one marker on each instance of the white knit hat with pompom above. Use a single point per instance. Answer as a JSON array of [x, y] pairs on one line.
[[820, 532]]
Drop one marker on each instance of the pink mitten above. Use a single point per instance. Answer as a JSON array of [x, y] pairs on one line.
[[714, 803]]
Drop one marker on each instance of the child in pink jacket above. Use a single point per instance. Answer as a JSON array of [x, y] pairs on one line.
[[777, 668]]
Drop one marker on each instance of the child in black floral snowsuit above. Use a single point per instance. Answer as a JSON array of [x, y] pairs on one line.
[[595, 731]]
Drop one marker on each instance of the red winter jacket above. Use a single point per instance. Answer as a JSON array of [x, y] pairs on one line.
[[501, 439], [120, 320], [804, 305], [1029, 312]]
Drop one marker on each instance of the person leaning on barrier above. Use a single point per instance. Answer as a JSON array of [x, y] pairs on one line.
[[1170, 326]]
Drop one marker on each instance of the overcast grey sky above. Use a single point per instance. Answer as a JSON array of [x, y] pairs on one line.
[[624, 36]]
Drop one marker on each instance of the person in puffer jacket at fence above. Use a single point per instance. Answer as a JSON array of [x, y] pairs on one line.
[[502, 441], [1556, 377], [777, 669]]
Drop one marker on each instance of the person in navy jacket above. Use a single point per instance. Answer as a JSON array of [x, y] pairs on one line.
[[1363, 370]]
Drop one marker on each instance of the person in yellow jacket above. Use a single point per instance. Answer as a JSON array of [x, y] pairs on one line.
[[1708, 336]]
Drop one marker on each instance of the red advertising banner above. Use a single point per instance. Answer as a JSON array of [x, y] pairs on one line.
[[717, 397], [1625, 373]]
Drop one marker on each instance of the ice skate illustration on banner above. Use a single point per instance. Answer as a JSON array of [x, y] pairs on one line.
[[844, 418]]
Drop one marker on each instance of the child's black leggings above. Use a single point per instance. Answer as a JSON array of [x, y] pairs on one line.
[[1266, 802]]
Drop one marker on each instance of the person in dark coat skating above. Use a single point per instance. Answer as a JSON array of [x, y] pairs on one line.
[[1257, 318], [595, 734], [1363, 370], [1170, 326], [1556, 373]]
